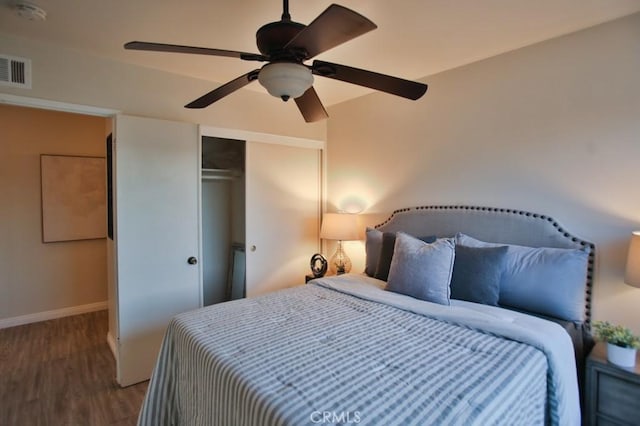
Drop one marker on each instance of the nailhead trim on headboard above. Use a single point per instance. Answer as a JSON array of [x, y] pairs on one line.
[[554, 223]]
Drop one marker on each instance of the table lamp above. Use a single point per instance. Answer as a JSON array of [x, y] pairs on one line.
[[340, 227]]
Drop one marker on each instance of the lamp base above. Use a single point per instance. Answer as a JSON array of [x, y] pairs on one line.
[[340, 262]]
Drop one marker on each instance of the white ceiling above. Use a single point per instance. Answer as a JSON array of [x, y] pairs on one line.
[[414, 39]]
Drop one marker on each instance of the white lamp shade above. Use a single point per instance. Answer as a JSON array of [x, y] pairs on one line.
[[285, 79], [632, 271], [339, 226]]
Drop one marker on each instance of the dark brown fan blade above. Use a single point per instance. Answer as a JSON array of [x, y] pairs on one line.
[[310, 106], [174, 48], [334, 26], [224, 90], [385, 83]]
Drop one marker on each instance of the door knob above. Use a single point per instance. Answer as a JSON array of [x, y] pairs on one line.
[[192, 260]]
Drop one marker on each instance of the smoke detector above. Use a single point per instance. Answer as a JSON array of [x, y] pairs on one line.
[[29, 11]]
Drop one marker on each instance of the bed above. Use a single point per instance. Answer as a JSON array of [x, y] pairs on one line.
[[393, 345]]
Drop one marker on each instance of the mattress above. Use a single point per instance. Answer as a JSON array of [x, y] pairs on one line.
[[344, 351]]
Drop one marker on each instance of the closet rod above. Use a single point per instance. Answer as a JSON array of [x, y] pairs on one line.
[[217, 178]]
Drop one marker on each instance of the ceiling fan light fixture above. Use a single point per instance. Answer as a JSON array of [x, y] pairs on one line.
[[29, 11], [285, 79]]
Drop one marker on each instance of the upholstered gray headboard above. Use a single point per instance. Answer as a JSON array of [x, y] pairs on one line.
[[491, 224]]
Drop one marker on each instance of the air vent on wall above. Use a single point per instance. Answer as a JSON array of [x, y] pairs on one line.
[[15, 71]]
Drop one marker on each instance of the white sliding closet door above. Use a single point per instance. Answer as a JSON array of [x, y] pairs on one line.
[[157, 203], [282, 214]]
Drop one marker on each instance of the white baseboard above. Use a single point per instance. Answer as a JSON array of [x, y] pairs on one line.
[[112, 345], [56, 313]]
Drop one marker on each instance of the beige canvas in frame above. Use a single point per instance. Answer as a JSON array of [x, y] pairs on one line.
[[73, 198]]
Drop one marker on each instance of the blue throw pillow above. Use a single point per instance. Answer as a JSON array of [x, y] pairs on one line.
[[545, 280], [385, 254], [476, 274], [422, 270]]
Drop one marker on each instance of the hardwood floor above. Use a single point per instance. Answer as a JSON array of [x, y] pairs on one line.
[[61, 372]]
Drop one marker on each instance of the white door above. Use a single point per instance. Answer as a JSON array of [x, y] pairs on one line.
[[156, 180], [282, 214]]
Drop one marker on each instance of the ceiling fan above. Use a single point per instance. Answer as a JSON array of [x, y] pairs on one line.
[[285, 45]]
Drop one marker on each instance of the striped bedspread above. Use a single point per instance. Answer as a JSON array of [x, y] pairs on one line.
[[316, 355]]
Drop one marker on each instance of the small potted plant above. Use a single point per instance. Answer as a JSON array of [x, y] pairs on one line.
[[621, 343]]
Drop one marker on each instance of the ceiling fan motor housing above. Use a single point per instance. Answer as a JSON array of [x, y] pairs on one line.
[[271, 38]]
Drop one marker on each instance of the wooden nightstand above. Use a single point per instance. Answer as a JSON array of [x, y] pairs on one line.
[[612, 393]]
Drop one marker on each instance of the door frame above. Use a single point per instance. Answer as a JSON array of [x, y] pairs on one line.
[[46, 104], [25, 101], [247, 135]]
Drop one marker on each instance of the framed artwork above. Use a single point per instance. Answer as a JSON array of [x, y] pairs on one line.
[[73, 198]]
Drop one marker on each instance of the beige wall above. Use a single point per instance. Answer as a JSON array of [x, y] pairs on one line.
[[37, 277], [552, 128]]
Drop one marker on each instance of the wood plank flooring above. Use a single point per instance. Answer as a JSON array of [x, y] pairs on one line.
[[61, 372]]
